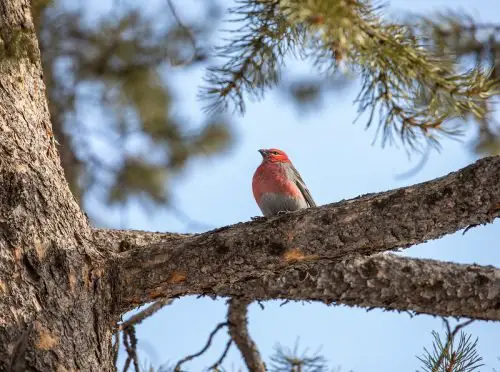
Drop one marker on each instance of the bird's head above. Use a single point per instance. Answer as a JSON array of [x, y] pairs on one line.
[[274, 156]]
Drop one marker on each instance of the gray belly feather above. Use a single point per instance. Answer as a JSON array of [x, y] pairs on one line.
[[272, 203]]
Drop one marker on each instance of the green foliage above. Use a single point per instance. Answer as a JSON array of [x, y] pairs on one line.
[[139, 178], [287, 360], [448, 356], [412, 92], [459, 36], [118, 67], [252, 57], [412, 83]]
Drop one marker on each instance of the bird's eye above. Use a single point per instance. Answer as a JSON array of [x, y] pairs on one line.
[[275, 152]]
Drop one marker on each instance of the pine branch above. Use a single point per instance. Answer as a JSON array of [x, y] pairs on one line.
[[395, 70], [252, 57], [460, 37], [456, 34], [363, 226], [286, 360], [449, 357]]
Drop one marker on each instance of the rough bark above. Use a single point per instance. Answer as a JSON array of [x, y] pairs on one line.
[[53, 308], [176, 264], [385, 281], [238, 330]]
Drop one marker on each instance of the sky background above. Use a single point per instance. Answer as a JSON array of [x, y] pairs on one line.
[[338, 161]]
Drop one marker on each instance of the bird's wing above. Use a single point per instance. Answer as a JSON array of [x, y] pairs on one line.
[[302, 187]]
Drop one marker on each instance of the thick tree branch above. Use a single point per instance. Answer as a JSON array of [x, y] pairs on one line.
[[238, 330], [153, 265], [386, 281]]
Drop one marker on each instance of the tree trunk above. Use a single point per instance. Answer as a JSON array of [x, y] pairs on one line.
[[53, 306]]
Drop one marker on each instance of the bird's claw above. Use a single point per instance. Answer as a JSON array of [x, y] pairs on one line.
[[282, 213], [258, 218], [261, 218]]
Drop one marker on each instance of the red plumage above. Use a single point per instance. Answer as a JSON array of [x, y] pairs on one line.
[[277, 186]]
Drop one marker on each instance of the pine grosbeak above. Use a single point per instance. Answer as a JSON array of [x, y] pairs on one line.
[[277, 185]]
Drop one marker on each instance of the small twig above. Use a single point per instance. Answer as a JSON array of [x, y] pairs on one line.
[[458, 327], [186, 29], [222, 357], [190, 223], [130, 343], [147, 312], [133, 344], [470, 227], [205, 348], [116, 348], [238, 330], [420, 165], [129, 336]]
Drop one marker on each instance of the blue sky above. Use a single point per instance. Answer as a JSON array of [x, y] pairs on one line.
[[338, 161]]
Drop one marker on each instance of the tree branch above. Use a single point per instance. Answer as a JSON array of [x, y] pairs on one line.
[[146, 313], [385, 281], [202, 351], [215, 367], [219, 262], [238, 330]]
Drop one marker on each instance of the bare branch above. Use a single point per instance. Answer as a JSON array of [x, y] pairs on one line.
[[130, 343], [216, 365], [186, 30], [139, 317], [238, 330], [116, 347], [205, 348], [129, 336], [219, 262]]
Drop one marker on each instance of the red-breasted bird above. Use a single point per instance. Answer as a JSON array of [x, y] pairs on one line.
[[277, 186]]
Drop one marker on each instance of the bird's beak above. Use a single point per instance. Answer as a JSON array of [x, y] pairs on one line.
[[263, 152]]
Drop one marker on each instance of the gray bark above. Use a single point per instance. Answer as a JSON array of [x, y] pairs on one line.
[[238, 330], [54, 305], [177, 264], [386, 281], [63, 285]]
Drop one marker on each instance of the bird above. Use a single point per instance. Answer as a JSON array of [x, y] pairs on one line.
[[277, 186]]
